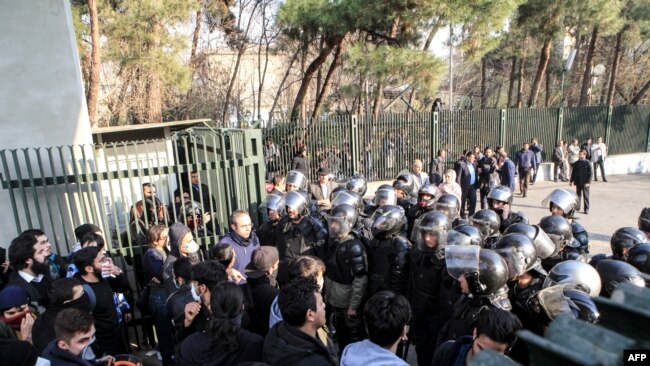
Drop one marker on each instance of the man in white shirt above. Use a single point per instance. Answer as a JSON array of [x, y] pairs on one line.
[[419, 177], [31, 271], [598, 155]]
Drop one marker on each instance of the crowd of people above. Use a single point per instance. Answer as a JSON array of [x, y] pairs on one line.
[[329, 277]]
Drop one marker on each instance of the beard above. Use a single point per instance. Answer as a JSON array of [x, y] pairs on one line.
[[41, 268]]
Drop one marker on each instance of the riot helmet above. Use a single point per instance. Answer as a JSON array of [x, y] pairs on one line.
[[346, 197], [558, 229], [449, 205], [580, 237], [499, 194], [430, 232], [565, 199], [385, 195], [273, 206], [465, 235], [639, 257], [387, 220], [357, 183], [192, 215], [584, 276], [487, 221], [485, 271], [404, 182], [614, 272], [644, 220], [297, 180], [565, 299], [625, 238], [544, 246], [298, 201], [341, 220], [519, 253], [427, 196]]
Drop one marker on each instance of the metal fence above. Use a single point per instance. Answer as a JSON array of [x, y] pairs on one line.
[[59, 188], [380, 148]]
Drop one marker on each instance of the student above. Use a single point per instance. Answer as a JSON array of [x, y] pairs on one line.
[[75, 332]]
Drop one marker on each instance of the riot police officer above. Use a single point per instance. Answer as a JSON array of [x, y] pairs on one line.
[[488, 223], [544, 246], [449, 205], [427, 195], [296, 180], [384, 195], [429, 239], [614, 272], [621, 242], [404, 186], [639, 257], [274, 208], [357, 183], [563, 202], [499, 200], [644, 221], [560, 232], [346, 276], [583, 276], [465, 234], [388, 252], [297, 233]]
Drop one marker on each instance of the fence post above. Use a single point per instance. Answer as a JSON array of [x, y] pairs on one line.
[[608, 129], [434, 136], [354, 142], [647, 145], [502, 128], [560, 124]]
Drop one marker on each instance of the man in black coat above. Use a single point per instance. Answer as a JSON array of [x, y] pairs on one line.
[[261, 289], [581, 177], [467, 178], [31, 270]]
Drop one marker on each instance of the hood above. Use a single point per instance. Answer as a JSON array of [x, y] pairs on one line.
[[176, 233], [239, 240]]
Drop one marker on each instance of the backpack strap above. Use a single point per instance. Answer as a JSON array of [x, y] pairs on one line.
[[91, 295]]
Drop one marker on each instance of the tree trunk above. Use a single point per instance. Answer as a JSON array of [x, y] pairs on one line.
[[362, 92], [336, 62], [483, 83], [547, 100], [309, 74], [95, 63], [498, 97], [614, 71], [262, 72], [195, 45], [284, 79], [153, 100], [589, 66], [376, 105], [520, 85], [544, 56], [511, 84], [637, 98]]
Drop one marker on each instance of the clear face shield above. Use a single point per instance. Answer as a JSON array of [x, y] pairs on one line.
[[296, 179], [429, 239], [382, 223], [345, 198], [515, 260], [553, 301], [462, 260], [458, 238], [483, 226], [273, 206], [450, 210], [385, 197], [544, 246], [338, 226], [566, 200]]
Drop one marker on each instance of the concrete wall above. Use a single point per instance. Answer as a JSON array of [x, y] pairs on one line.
[[638, 163], [42, 99]]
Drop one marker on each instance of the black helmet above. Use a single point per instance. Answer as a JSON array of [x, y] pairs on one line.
[[449, 205], [405, 183], [341, 220], [430, 232], [296, 179], [191, 215], [430, 190], [544, 246], [558, 229], [465, 235], [518, 251], [357, 183], [385, 195], [501, 194], [580, 236], [487, 221], [565, 199], [584, 276], [613, 272], [583, 306], [485, 271], [565, 299], [273, 202], [387, 220], [639, 257], [298, 201], [644, 219], [346, 197], [625, 238]]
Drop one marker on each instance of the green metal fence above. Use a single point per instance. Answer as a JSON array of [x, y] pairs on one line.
[[59, 188], [381, 147]]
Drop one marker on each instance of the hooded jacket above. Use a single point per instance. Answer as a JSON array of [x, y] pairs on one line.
[[259, 294], [176, 233], [59, 357], [287, 345], [243, 248], [368, 353], [200, 350]]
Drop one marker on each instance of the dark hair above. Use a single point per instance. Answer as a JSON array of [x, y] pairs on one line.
[[500, 325], [81, 230], [154, 232], [487, 148], [386, 314], [470, 154], [90, 237], [305, 266], [296, 298], [85, 257], [226, 301], [209, 273], [61, 290], [222, 253], [183, 268], [440, 152], [278, 178], [21, 250], [148, 185], [68, 322], [33, 232]]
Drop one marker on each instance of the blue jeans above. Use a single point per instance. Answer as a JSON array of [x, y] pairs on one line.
[[158, 306]]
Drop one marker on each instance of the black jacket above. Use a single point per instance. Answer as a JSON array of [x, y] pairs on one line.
[[259, 294], [59, 357], [286, 345], [463, 176], [424, 283], [581, 173], [199, 349], [37, 291], [176, 308], [448, 352], [299, 163], [388, 264]]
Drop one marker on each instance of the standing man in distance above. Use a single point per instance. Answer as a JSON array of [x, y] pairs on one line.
[[537, 149], [437, 167], [581, 177], [420, 178], [598, 155], [525, 161], [467, 178]]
